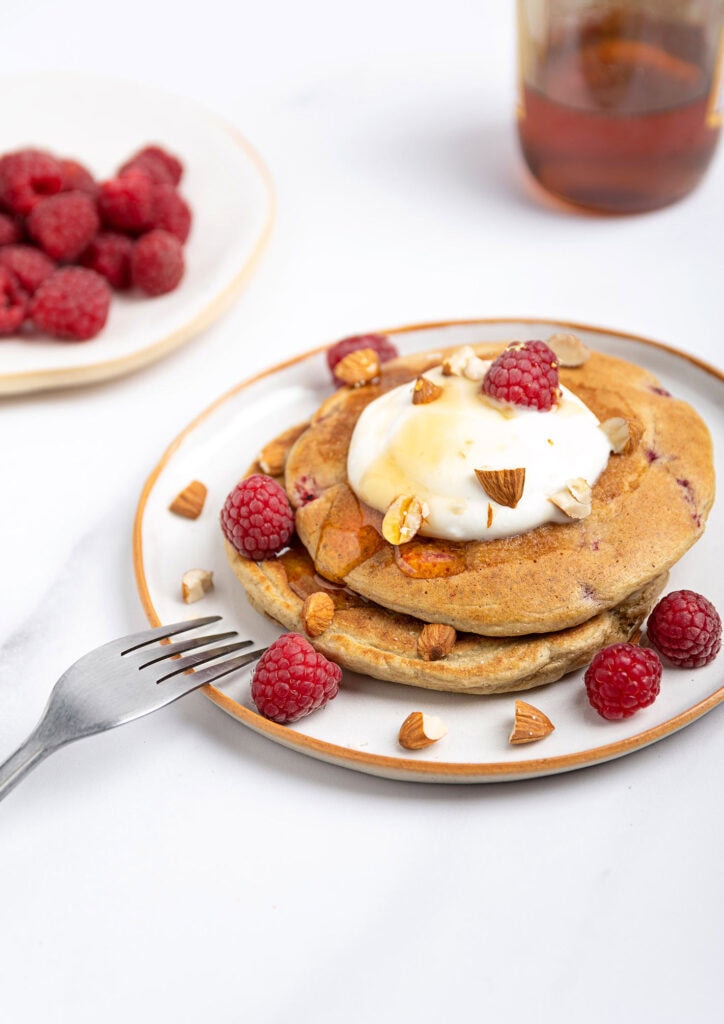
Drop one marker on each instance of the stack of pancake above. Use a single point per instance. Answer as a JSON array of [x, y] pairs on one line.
[[525, 609]]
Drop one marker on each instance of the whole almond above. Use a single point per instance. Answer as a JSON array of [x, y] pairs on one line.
[[359, 367], [317, 613], [435, 641]]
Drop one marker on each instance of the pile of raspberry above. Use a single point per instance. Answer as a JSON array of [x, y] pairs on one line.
[[66, 240]]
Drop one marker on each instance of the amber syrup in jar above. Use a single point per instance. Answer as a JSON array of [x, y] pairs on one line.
[[620, 118]]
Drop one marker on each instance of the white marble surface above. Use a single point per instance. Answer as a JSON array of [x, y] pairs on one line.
[[185, 869]]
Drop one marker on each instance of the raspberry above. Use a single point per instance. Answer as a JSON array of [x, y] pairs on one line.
[[292, 679], [257, 518], [160, 165], [621, 679], [26, 176], [72, 304], [382, 346], [525, 374], [77, 178], [109, 254], [151, 166], [64, 224], [127, 203], [686, 628], [29, 265], [171, 212], [11, 230], [157, 262], [13, 303]]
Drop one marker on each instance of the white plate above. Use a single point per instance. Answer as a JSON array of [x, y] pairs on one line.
[[101, 122], [359, 728]]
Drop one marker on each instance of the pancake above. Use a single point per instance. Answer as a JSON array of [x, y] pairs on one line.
[[366, 638], [648, 507]]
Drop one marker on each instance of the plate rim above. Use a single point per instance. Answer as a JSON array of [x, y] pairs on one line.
[[406, 768], [34, 381]]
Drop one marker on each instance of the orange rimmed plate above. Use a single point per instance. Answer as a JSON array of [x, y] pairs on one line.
[[359, 728], [101, 122]]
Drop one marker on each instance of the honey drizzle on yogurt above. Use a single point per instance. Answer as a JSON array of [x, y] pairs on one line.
[[434, 451]]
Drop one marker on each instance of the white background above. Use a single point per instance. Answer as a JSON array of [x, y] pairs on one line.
[[185, 869]]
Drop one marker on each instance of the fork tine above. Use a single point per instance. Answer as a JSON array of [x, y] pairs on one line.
[[193, 680], [188, 645], [184, 664], [148, 636]]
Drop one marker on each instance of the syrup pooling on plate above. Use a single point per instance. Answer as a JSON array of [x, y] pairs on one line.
[[433, 451]]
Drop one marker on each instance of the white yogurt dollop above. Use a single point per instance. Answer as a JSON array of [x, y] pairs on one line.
[[433, 450]]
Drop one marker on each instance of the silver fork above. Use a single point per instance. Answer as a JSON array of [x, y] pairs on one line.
[[121, 681]]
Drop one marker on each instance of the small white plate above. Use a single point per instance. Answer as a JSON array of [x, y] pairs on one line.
[[359, 728], [102, 122]]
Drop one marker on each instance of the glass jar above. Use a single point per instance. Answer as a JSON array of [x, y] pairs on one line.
[[620, 100]]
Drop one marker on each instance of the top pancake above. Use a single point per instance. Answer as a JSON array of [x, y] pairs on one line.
[[649, 506]]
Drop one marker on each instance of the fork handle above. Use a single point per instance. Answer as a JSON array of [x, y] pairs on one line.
[[26, 757]]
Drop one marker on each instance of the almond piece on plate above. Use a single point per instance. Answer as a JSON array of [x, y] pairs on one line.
[[403, 519], [503, 485], [435, 641], [317, 613], [530, 724], [574, 500], [569, 349], [359, 367], [195, 583], [189, 502], [420, 730], [425, 391]]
